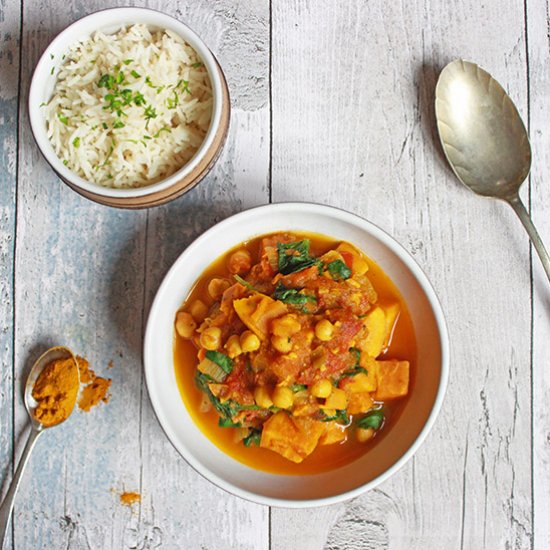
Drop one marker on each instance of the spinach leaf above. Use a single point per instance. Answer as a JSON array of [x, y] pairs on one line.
[[253, 438], [228, 423], [221, 360], [246, 284], [292, 296], [228, 409], [373, 419], [341, 416], [294, 257], [357, 368], [339, 270]]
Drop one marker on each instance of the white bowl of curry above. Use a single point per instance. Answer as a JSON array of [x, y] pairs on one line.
[[296, 355]]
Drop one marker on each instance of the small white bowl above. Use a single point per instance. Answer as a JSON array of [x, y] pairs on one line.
[[408, 431], [110, 21]]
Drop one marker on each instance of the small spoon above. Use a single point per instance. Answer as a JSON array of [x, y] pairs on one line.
[[484, 139], [37, 429]]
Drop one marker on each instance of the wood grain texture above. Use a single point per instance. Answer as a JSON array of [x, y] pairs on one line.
[[352, 126], [10, 28], [86, 277], [538, 28], [358, 133]]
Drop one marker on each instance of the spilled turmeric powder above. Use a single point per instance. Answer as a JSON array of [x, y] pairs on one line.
[[96, 388], [128, 498], [55, 392]]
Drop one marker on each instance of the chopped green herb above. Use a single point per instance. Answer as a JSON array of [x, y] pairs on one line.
[[135, 74], [65, 162], [43, 104], [172, 103], [298, 387], [139, 99], [76, 142], [109, 176], [246, 284], [104, 124], [150, 112], [106, 81], [52, 71], [228, 423], [339, 270], [63, 119], [165, 129], [340, 416], [292, 296], [185, 87], [52, 56], [120, 78], [196, 65], [127, 61], [253, 438], [221, 360], [294, 257], [118, 124], [373, 419], [149, 83], [147, 137]]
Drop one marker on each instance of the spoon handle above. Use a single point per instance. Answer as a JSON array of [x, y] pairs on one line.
[[7, 505], [523, 215]]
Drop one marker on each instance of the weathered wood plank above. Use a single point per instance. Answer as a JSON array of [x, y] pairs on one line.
[[186, 508], [10, 25], [538, 24], [353, 127], [69, 497]]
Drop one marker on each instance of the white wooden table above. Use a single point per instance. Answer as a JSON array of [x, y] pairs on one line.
[[333, 103]]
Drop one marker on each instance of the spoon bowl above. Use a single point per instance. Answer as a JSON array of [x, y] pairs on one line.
[[45, 359], [37, 428], [484, 139]]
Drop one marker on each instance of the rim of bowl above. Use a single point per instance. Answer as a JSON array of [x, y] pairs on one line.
[[433, 300], [122, 16]]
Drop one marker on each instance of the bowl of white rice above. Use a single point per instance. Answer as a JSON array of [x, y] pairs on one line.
[[129, 107]]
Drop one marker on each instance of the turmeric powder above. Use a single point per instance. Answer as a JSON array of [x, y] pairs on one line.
[[128, 498], [55, 392], [96, 387]]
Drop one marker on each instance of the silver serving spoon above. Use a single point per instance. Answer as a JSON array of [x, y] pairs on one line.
[[37, 429], [484, 139]]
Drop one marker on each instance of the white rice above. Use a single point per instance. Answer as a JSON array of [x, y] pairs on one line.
[[150, 137]]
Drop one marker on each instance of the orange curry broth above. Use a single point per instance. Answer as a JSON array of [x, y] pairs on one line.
[[324, 457]]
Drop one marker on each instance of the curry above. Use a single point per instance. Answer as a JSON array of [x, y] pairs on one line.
[[294, 353]]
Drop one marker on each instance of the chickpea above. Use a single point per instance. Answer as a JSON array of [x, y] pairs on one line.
[[199, 310], [211, 338], [249, 341], [185, 324], [283, 397], [324, 330], [262, 398], [281, 343], [287, 325], [217, 286], [364, 434], [233, 346], [239, 262], [321, 388]]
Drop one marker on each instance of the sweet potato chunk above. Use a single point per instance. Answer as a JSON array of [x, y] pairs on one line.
[[393, 379], [334, 433], [359, 402], [257, 311], [361, 382], [293, 438], [379, 323]]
